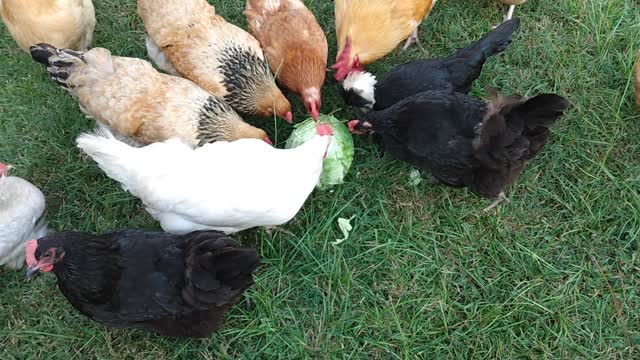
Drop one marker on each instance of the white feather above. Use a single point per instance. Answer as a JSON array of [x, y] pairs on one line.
[[225, 186], [363, 83], [21, 208], [158, 57]]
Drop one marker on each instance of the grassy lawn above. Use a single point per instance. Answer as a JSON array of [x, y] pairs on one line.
[[425, 274]]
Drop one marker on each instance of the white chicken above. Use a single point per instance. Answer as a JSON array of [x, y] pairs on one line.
[[21, 217], [224, 186]]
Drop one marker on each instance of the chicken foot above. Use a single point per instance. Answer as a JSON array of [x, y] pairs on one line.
[[413, 38], [500, 199]]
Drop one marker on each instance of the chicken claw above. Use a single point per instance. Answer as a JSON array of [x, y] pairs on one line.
[[501, 198]]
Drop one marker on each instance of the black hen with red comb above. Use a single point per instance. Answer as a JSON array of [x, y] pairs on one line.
[[174, 285], [463, 141]]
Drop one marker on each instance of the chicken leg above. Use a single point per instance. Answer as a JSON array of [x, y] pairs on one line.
[[500, 199], [413, 38], [510, 12]]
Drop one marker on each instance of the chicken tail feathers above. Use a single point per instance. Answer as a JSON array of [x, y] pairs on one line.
[[217, 271], [113, 156], [514, 131], [59, 62], [496, 40]]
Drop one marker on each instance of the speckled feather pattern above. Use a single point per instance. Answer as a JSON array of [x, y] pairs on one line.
[[202, 45], [129, 96]]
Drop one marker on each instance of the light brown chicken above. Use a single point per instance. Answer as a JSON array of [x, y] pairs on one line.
[[187, 37], [62, 23], [129, 96], [367, 30], [294, 45], [637, 74]]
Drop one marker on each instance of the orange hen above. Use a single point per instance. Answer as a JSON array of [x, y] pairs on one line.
[[294, 44], [367, 30]]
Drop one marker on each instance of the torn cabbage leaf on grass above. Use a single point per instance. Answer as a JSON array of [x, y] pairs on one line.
[[340, 154]]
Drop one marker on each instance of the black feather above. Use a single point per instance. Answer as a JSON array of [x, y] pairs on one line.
[[175, 285]]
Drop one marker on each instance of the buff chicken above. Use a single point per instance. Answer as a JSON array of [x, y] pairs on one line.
[[130, 97], [188, 37], [367, 30], [294, 45], [63, 23]]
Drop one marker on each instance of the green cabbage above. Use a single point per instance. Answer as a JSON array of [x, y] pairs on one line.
[[340, 154]]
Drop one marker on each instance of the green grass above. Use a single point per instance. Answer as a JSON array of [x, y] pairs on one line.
[[425, 274]]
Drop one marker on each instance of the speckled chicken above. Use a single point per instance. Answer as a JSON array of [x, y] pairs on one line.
[[367, 30], [294, 45], [224, 186], [187, 37], [63, 23], [21, 217], [173, 285], [130, 97]]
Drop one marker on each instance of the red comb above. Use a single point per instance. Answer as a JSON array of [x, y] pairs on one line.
[[30, 252]]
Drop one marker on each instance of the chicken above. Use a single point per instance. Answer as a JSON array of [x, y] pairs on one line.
[[456, 72], [63, 23], [637, 75], [174, 285], [129, 96], [294, 45], [512, 6], [21, 217], [367, 30], [464, 141], [187, 37], [224, 186]]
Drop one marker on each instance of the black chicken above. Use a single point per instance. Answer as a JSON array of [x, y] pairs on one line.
[[463, 141], [175, 285], [457, 72]]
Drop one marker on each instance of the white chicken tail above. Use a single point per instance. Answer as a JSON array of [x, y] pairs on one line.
[[114, 157]]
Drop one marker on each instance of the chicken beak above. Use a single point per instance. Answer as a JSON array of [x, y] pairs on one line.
[[352, 125], [289, 117], [32, 270], [267, 140], [315, 114]]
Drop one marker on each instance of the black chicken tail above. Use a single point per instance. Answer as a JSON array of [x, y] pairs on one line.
[[217, 272], [466, 64], [514, 131], [59, 62], [496, 40]]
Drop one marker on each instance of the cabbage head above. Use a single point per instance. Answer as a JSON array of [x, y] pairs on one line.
[[340, 154]]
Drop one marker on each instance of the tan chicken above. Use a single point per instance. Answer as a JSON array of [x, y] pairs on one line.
[[512, 6], [187, 37], [367, 30], [294, 45], [129, 96], [63, 23], [637, 74]]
